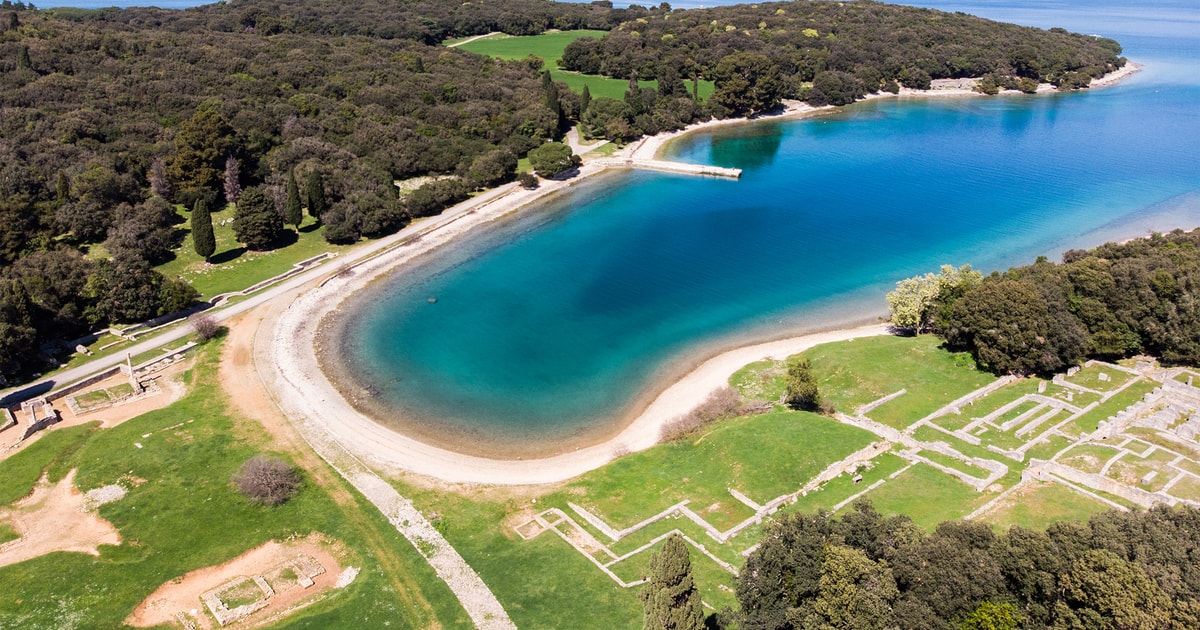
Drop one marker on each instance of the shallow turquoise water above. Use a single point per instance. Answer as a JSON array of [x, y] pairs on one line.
[[556, 324]]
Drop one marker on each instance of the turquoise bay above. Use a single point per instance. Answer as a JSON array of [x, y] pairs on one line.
[[553, 327]]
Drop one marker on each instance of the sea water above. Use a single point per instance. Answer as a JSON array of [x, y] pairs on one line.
[[555, 326]]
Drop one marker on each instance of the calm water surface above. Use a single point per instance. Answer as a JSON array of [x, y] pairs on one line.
[[554, 326]]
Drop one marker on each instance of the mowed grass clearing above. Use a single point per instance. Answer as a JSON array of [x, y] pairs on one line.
[[926, 495], [853, 373], [549, 46], [1041, 503], [232, 267], [183, 513]]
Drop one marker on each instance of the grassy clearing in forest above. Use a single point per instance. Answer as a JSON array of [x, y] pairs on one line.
[[232, 267], [549, 46]]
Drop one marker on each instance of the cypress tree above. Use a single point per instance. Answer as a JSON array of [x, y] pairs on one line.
[[314, 190], [671, 599], [550, 96], [584, 101], [203, 240], [292, 212], [23, 61]]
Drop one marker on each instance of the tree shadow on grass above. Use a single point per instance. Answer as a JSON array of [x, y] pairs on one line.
[[285, 238], [227, 255], [311, 227]]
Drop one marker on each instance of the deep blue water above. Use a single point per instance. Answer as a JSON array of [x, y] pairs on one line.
[[559, 322]]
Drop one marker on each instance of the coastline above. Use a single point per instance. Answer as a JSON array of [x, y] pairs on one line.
[[295, 373]]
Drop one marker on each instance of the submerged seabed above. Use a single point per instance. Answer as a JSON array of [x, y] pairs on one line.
[[553, 328]]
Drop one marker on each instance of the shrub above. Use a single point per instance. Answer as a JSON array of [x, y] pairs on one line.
[[802, 391], [267, 480], [723, 403], [205, 326]]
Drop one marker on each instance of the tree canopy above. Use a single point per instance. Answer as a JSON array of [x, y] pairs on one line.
[[1113, 301], [1119, 570]]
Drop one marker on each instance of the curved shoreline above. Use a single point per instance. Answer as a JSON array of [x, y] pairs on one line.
[[290, 356]]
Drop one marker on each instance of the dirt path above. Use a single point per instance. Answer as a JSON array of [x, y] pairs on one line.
[[53, 519], [474, 595], [240, 381]]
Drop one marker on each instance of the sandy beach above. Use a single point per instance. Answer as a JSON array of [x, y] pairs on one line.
[[286, 355]]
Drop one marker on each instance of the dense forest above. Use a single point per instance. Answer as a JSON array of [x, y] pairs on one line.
[[1117, 300], [116, 124], [836, 52], [1120, 570]]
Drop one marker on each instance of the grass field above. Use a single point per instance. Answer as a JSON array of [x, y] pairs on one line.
[[187, 515], [1042, 504], [232, 268], [549, 46], [852, 374], [926, 495]]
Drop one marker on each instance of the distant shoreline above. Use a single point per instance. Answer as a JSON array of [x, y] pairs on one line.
[[305, 383]]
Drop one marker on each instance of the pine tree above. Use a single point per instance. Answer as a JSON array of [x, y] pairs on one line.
[[584, 101], [314, 190], [671, 599], [256, 222], [292, 210], [203, 240]]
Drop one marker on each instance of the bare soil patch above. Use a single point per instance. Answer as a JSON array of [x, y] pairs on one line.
[[281, 565], [52, 518], [170, 389]]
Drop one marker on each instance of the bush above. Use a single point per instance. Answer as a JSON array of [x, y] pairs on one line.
[[723, 403], [527, 180], [802, 391], [205, 326], [267, 480]]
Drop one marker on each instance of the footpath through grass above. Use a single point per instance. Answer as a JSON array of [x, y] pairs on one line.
[[182, 513]]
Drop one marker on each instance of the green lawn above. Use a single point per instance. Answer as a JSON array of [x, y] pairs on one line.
[[549, 47], [761, 456], [538, 581], [1090, 421], [232, 268], [1089, 377], [854, 373], [187, 515], [926, 495], [1042, 504]]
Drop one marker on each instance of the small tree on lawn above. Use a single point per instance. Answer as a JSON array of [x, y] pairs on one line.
[[801, 387], [671, 600], [203, 239], [293, 211], [267, 480]]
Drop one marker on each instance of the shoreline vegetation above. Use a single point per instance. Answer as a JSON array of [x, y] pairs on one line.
[[301, 379]]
